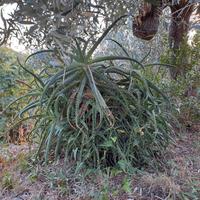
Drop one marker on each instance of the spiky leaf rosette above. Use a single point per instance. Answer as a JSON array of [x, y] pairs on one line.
[[98, 113]]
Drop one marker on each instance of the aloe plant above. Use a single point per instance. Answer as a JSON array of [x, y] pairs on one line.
[[95, 112]]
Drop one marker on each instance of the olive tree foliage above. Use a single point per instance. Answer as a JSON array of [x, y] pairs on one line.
[[46, 21], [54, 23]]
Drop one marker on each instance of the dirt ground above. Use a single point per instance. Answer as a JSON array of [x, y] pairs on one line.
[[177, 178]]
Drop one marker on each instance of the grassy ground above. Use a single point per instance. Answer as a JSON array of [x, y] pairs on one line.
[[178, 176]]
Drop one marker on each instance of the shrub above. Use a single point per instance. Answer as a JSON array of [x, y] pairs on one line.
[[12, 84], [185, 94], [185, 91], [7, 85], [97, 111]]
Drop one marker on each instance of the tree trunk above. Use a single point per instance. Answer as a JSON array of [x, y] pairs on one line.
[[145, 26], [178, 35]]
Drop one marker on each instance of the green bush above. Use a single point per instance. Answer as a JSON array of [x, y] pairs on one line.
[[184, 92], [187, 56], [7, 85], [96, 112]]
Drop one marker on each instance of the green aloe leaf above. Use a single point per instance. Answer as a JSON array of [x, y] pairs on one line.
[[94, 47]]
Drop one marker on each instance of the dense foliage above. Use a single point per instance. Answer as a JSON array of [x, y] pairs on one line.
[[45, 22], [8, 85], [184, 92]]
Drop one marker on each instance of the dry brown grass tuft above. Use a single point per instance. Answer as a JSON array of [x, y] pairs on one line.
[[160, 183]]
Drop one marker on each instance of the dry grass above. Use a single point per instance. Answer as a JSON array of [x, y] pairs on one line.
[[179, 178]]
